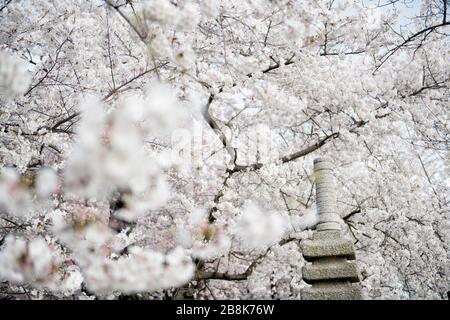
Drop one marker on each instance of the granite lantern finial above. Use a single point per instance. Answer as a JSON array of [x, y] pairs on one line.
[[325, 195]]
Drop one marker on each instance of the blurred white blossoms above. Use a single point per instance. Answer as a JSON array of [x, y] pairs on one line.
[[160, 18], [203, 239], [166, 14], [14, 198], [307, 220], [210, 8], [142, 270], [24, 195], [256, 228], [46, 182], [185, 56], [294, 29], [14, 78], [157, 195], [159, 46], [110, 262], [161, 111], [160, 11], [111, 153], [35, 262]]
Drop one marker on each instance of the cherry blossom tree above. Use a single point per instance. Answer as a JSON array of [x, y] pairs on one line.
[[163, 149]]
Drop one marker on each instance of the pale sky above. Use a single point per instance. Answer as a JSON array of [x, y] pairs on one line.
[[407, 8]]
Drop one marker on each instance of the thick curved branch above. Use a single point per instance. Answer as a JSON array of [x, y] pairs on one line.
[[290, 157], [309, 149]]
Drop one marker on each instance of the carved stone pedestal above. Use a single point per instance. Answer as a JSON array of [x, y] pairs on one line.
[[332, 268]]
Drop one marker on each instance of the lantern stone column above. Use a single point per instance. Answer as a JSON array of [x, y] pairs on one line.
[[331, 269]]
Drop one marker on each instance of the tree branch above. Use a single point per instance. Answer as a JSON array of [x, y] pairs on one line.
[[117, 9], [411, 38], [5, 5], [47, 72], [289, 157], [117, 89], [213, 275]]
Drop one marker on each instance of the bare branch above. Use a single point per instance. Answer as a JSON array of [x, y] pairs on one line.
[[47, 71], [141, 35], [290, 157], [5, 5], [126, 83], [411, 38]]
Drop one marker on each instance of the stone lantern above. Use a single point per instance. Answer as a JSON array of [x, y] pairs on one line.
[[331, 269]]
